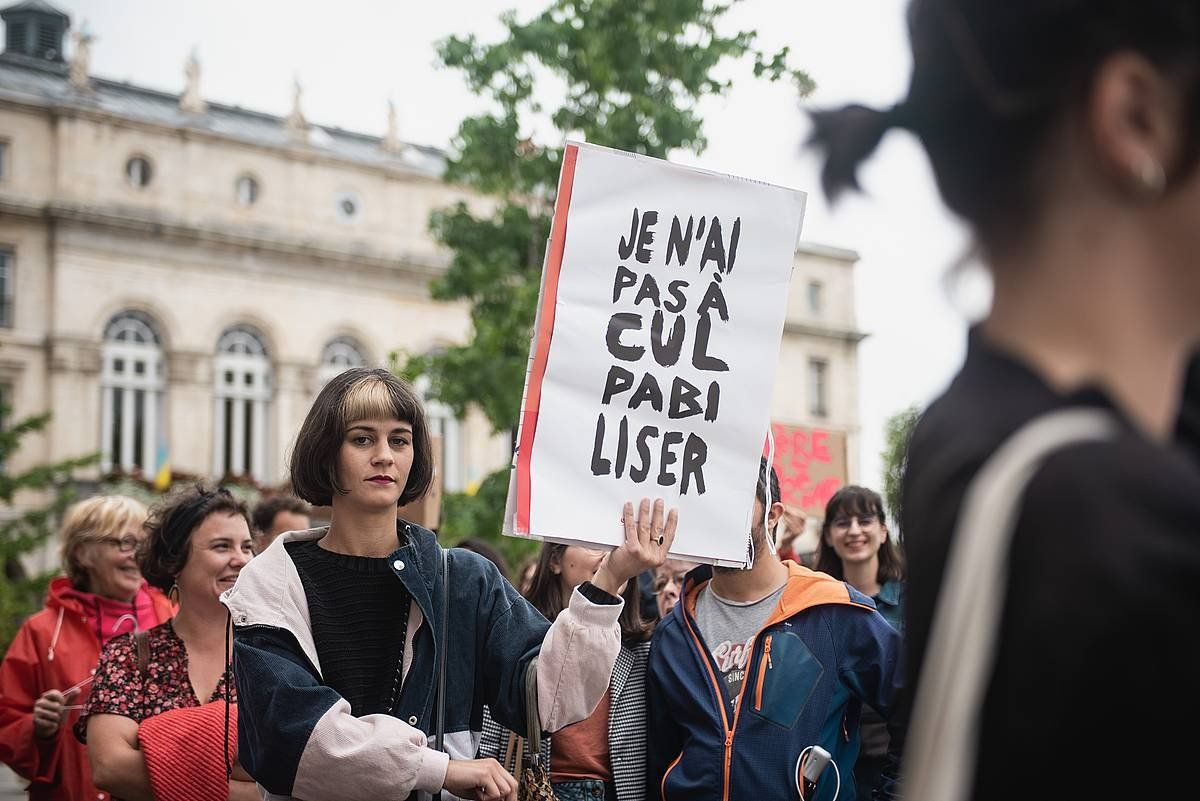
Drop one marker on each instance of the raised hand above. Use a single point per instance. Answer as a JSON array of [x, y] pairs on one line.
[[648, 539]]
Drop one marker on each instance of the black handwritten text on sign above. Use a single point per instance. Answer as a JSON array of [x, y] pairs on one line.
[[644, 354]]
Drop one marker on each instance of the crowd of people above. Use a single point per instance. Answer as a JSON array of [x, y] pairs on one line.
[[1050, 505], [341, 650]]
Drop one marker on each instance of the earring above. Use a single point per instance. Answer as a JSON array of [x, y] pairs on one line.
[[173, 594], [1151, 178]]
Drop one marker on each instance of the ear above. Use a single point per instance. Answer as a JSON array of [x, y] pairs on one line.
[[86, 555], [556, 563], [1135, 115], [775, 513]]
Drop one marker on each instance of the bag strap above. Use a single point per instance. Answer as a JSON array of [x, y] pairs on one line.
[[141, 641], [944, 733], [533, 723], [440, 731], [512, 754]]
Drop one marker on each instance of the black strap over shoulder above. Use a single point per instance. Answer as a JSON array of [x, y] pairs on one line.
[[440, 732], [141, 641]]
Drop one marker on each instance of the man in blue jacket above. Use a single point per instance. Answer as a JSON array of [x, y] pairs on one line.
[[755, 665]]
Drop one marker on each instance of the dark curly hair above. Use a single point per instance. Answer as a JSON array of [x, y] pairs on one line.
[[169, 528]]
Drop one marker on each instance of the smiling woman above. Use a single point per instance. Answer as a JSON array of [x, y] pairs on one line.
[[197, 542], [46, 672]]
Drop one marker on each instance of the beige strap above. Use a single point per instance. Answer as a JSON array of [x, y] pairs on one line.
[[939, 760]]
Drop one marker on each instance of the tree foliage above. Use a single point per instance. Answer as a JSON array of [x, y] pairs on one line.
[[897, 432], [629, 74], [24, 529]]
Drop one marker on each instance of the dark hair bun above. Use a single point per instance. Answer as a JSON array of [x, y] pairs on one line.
[[847, 136]]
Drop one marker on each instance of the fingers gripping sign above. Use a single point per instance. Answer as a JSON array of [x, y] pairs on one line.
[[648, 540]]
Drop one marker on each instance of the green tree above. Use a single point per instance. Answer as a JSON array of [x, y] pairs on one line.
[[24, 529], [897, 431], [630, 74]]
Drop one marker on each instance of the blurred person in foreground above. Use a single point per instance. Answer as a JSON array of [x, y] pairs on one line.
[[157, 712], [47, 670], [1067, 135], [277, 514]]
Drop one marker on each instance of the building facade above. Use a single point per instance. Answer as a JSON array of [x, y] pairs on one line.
[[179, 278]]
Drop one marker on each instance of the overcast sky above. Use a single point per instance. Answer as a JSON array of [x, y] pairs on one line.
[[353, 55]]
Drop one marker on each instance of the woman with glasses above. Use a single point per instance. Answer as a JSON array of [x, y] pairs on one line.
[[604, 755], [856, 548], [668, 583], [158, 706], [48, 668]]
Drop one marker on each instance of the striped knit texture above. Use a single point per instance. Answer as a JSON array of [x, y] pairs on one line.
[[359, 613], [626, 726], [183, 751]]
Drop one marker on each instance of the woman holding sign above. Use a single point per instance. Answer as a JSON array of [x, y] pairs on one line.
[[356, 641], [1053, 527]]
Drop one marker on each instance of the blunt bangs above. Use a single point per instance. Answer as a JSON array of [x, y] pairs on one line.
[[360, 393]]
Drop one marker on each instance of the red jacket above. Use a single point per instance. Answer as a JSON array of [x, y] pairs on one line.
[[54, 650]]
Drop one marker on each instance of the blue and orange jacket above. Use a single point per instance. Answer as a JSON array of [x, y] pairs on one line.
[[823, 652]]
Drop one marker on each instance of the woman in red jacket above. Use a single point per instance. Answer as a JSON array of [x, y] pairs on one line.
[[47, 670]]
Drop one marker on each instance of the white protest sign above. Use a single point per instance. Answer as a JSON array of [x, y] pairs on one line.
[[662, 309]]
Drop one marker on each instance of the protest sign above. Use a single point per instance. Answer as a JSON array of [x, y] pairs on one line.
[[811, 463], [653, 362]]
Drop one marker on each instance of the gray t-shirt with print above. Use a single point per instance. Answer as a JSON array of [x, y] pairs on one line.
[[728, 628]]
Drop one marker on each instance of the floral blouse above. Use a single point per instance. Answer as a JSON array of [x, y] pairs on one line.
[[120, 688]]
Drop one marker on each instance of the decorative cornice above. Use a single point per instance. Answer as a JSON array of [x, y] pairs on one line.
[[294, 150], [422, 267], [839, 334], [828, 252]]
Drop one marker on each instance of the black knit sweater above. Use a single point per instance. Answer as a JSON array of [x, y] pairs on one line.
[[359, 613]]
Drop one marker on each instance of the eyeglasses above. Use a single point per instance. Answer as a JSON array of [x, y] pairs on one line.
[[127, 544], [662, 582], [843, 523]]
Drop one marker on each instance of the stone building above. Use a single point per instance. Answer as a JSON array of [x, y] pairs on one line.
[[178, 278]]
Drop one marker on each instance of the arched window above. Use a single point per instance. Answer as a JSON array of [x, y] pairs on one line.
[[338, 356], [246, 190], [448, 429], [243, 392], [138, 172], [132, 387]]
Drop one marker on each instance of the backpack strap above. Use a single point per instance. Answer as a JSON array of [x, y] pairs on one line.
[[944, 733]]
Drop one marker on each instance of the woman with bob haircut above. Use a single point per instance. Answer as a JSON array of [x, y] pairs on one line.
[[339, 633], [1067, 135], [47, 670], [162, 693], [604, 755]]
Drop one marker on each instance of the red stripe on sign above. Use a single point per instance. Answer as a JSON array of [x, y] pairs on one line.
[[541, 354]]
